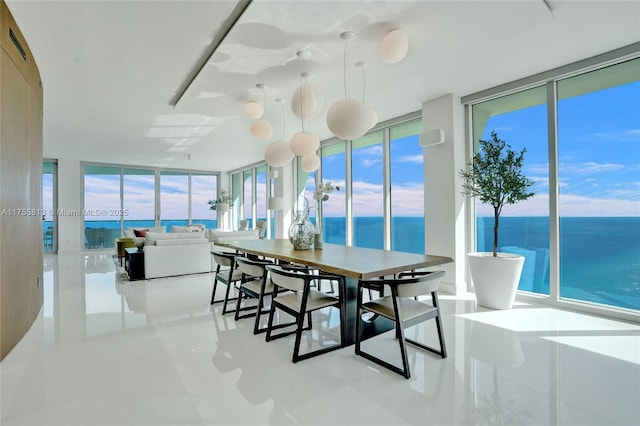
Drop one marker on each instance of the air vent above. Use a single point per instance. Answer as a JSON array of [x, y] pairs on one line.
[[17, 43]]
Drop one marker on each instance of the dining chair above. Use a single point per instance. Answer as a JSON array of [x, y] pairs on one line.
[[404, 310], [226, 273], [300, 300], [253, 285]]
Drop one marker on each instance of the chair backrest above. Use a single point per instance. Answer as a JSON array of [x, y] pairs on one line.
[[420, 283], [223, 259], [253, 268], [294, 281]]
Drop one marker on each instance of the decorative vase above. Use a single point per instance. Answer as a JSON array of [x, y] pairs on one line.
[[301, 231], [317, 241]]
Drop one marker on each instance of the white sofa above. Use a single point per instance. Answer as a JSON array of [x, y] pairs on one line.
[[176, 253]]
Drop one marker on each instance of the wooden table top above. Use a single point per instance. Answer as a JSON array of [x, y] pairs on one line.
[[355, 262]]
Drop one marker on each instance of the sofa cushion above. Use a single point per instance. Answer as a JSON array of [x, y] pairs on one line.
[[195, 227], [152, 237], [181, 241], [216, 235]]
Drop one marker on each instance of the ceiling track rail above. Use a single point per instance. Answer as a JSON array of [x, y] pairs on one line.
[[227, 26]]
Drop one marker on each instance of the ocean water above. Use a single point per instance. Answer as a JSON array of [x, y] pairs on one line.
[[599, 256]]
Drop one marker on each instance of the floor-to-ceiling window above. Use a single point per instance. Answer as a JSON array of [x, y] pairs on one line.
[[587, 204], [520, 119], [250, 190], [334, 209], [204, 187], [382, 204], [102, 206], [174, 198], [49, 206], [247, 197], [367, 191], [261, 192], [116, 198], [138, 198], [407, 188], [599, 185]]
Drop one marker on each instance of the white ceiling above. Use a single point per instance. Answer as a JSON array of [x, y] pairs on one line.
[[110, 69]]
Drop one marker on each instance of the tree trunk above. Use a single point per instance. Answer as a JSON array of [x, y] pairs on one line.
[[496, 219]]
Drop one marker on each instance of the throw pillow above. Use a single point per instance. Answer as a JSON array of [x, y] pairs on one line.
[[140, 232]]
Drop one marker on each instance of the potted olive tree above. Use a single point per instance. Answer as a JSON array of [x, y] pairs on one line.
[[494, 175]]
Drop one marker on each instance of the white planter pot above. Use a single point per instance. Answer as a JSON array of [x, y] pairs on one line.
[[495, 279], [223, 212]]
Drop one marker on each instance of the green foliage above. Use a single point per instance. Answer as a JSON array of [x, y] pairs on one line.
[[494, 176], [224, 197]]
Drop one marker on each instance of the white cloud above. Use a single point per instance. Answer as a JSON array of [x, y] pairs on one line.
[[410, 159]]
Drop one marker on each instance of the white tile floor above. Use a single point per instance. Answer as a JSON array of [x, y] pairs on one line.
[[110, 352]]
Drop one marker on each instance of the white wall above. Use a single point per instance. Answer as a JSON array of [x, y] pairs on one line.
[[444, 207]]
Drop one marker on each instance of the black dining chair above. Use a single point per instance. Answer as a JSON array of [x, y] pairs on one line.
[[293, 294], [253, 285], [403, 308], [226, 273]]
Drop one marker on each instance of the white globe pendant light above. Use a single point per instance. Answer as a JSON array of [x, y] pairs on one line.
[[373, 119], [303, 143], [348, 119], [253, 110], [394, 46], [307, 101], [278, 154], [310, 162], [262, 129]]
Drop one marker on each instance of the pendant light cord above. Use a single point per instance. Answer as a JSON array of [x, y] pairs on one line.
[[264, 101], [283, 122], [364, 82], [346, 69]]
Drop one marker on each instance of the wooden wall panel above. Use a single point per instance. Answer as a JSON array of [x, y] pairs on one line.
[[21, 294]]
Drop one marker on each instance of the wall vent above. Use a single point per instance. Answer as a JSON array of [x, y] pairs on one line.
[[17, 43]]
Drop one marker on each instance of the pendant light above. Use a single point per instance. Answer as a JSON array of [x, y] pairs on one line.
[[394, 46], [307, 100], [304, 143], [253, 110], [348, 119], [279, 153], [261, 128]]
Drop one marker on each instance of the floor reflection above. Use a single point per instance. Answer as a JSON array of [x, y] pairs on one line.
[[108, 351]]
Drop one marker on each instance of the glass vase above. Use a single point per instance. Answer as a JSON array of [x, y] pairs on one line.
[[301, 231]]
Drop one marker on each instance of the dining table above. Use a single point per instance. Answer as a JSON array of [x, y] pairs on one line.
[[352, 263]]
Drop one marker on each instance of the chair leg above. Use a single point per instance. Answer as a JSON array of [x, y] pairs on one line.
[[270, 322], [358, 320], [213, 293], [403, 350], [296, 347], [259, 312], [226, 298]]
